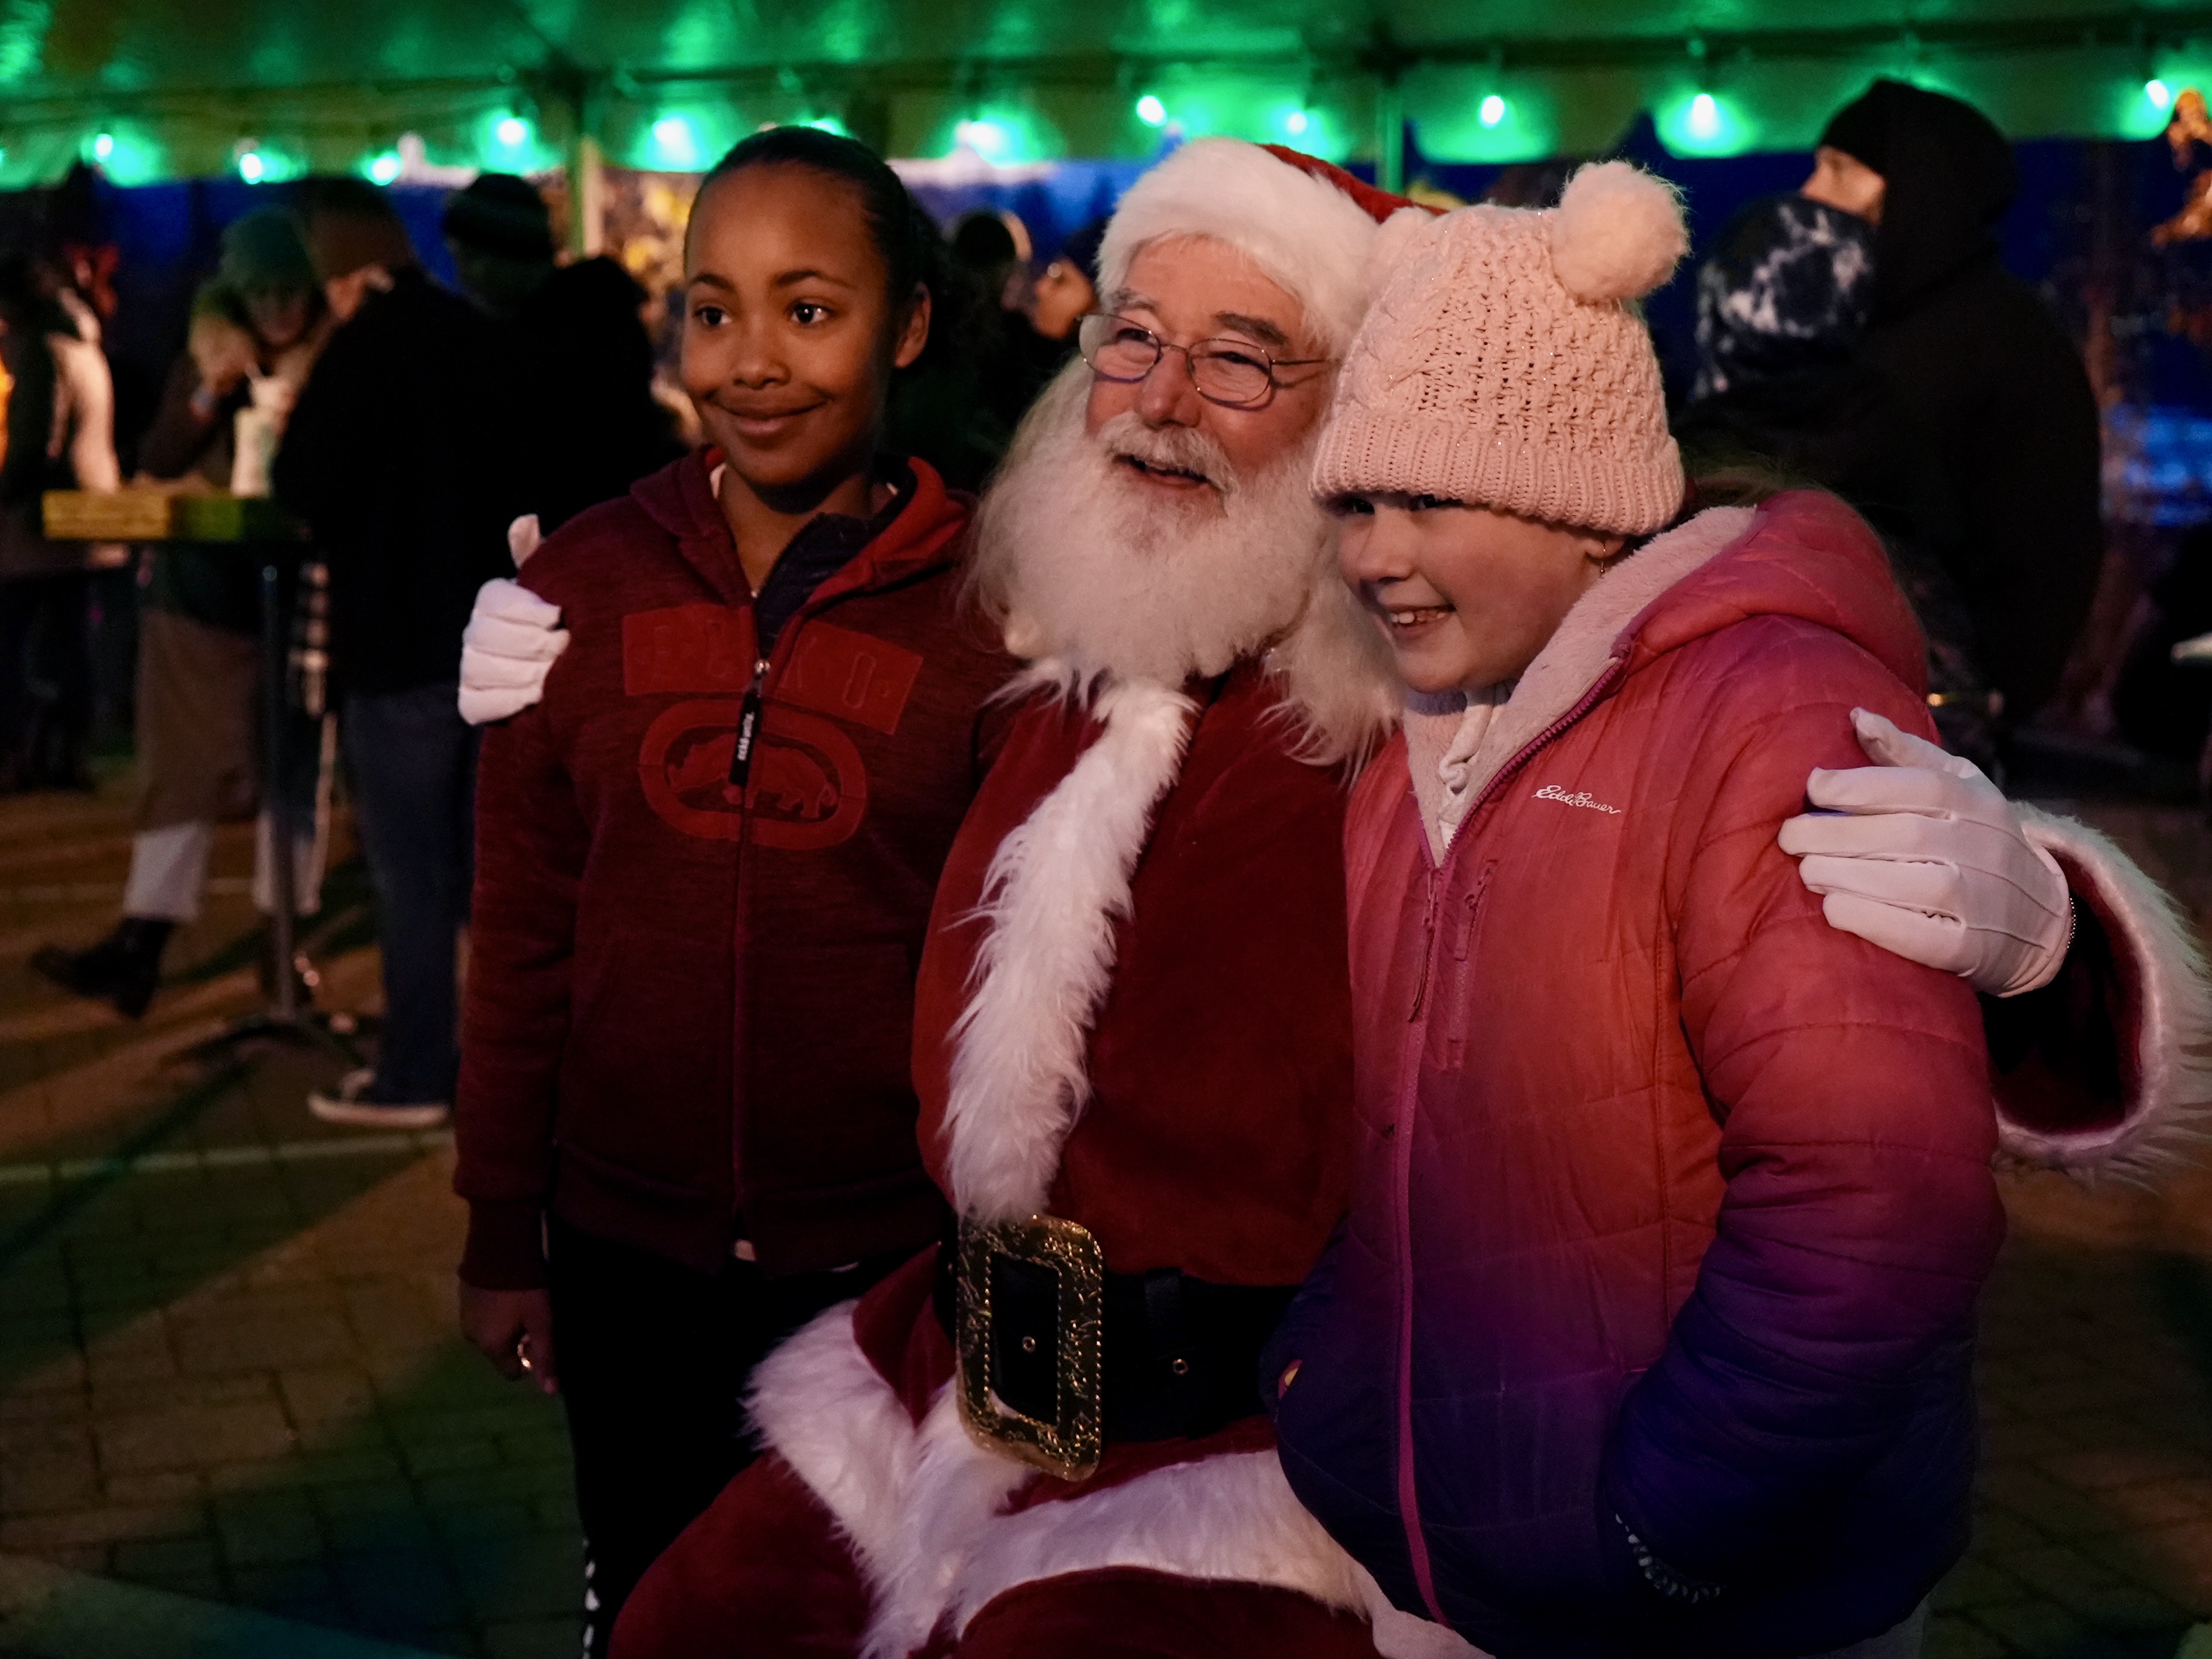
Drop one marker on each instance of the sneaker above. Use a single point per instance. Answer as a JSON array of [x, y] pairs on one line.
[[122, 970], [350, 1103]]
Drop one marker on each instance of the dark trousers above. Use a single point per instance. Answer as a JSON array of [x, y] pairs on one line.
[[654, 1358], [413, 761]]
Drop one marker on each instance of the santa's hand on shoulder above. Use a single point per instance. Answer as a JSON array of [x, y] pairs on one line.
[[511, 641], [1922, 854]]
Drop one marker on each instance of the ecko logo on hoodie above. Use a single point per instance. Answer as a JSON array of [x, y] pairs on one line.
[[807, 785]]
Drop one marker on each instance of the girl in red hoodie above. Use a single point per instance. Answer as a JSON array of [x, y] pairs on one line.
[[706, 859], [1650, 1328]]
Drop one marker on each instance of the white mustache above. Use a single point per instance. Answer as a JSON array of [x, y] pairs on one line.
[[1179, 448]]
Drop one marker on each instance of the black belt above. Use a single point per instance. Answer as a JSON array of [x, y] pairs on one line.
[[1178, 1356]]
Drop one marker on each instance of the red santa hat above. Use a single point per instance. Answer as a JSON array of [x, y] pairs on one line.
[[1307, 225]]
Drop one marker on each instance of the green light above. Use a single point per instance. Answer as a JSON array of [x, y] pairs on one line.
[[383, 169], [251, 166], [989, 139], [2158, 92], [829, 123], [676, 142], [1491, 111], [103, 147], [1296, 123], [1152, 112], [512, 131], [1706, 124]]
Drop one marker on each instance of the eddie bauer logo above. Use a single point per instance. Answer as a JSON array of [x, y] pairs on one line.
[[1580, 798]]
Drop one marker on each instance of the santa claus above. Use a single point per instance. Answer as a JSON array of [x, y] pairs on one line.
[[1132, 1035]]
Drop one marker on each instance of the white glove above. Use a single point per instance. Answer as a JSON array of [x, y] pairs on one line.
[[1921, 854], [507, 650]]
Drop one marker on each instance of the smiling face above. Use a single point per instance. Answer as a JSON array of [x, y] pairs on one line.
[[790, 333], [1466, 596], [1186, 289]]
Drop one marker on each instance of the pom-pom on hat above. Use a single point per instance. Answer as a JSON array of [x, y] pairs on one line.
[[1504, 363], [1308, 226]]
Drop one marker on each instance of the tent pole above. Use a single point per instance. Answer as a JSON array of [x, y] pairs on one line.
[[1390, 133]]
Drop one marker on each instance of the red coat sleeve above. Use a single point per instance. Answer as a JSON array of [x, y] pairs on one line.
[[1860, 1216], [532, 842]]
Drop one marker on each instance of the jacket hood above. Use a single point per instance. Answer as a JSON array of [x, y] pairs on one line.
[[1950, 176], [1803, 554], [925, 535]]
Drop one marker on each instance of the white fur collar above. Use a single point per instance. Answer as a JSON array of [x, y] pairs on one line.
[[1056, 888], [1587, 644]]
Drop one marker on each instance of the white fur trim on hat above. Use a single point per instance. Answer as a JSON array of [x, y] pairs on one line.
[[1618, 233], [1305, 235]]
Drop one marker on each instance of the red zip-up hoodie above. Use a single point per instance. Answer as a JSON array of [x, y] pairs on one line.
[[691, 978]]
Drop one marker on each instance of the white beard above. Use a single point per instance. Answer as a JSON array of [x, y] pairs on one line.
[[1096, 576], [1086, 564]]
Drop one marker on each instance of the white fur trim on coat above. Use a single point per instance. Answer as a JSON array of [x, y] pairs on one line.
[[924, 1509], [1306, 235], [1056, 889], [2168, 1122]]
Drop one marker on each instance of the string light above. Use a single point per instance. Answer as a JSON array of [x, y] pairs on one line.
[[1491, 111], [1152, 112]]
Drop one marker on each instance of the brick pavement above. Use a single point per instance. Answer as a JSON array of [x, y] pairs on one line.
[[229, 1370]]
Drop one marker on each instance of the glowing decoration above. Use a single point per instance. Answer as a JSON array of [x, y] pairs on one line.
[[251, 166], [989, 139], [512, 131], [103, 147], [1491, 111], [675, 142], [2160, 95], [1152, 112], [1296, 123], [1706, 124], [384, 168]]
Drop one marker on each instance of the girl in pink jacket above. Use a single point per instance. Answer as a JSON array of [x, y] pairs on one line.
[[1650, 1330]]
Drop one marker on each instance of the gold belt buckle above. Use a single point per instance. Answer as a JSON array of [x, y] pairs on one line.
[[1067, 1444]]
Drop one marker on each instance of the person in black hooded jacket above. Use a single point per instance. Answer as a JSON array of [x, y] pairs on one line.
[[1979, 361]]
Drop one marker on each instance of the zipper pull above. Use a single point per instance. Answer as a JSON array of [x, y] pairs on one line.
[[749, 716]]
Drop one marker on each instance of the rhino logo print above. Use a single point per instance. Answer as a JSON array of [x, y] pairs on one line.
[[809, 789]]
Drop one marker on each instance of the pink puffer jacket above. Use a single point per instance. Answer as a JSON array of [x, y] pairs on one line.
[[1673, 1201]]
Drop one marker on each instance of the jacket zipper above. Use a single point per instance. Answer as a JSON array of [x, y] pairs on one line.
[[1428, 946], [749, 717], [1409, 1507]]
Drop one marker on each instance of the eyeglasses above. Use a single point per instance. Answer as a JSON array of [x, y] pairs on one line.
[[1230, 372]]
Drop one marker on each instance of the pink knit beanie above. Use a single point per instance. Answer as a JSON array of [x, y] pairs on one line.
[[1504, 361]]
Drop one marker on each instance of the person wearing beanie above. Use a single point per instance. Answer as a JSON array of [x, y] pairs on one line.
[[1133, 1030], [575, 353], [398, 459], [1651, 1327], [256, 329], [1783, 301], [1977, 360]]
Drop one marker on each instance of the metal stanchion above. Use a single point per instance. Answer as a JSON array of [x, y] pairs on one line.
[[285, 1019]]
